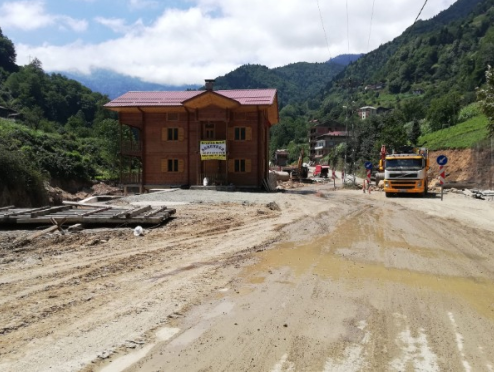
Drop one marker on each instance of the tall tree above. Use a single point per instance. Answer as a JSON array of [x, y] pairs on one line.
[[7, 54]]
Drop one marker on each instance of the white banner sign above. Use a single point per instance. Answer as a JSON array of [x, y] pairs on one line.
[[213, 150]]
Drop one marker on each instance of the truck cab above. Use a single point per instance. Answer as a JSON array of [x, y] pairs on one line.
[[406, 171]]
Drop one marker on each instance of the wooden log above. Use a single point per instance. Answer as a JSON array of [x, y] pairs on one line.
[[6, 207], [95, 211], [49, 211], [133, 212], [37, 234], [18, 212], [154, 212], [70, 203]]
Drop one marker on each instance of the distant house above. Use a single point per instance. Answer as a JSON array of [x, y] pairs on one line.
[[374, 87], [327, 142], [366, 111], [186, 137], [418, 92], [323, 137]]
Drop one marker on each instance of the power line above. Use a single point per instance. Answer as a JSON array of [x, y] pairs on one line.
[[423, 6], [370, 29], [324, 30]]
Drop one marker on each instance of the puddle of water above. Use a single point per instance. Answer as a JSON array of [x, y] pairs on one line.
[[341, 256]]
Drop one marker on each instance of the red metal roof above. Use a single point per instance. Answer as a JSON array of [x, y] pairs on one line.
[[175, 98]]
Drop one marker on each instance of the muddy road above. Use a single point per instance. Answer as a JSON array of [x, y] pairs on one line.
[[330, 281]]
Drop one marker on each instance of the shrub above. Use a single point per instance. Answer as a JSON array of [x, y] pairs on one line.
[[21, 184]]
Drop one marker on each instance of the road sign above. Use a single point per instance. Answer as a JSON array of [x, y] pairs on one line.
[[442, 160], [442, 175], [368, 165]]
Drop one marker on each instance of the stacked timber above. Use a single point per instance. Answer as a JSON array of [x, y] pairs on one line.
[[84, 214]]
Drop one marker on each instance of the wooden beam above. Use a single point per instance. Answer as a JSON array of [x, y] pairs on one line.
[[49, 211], [95, 211], [133, 212]]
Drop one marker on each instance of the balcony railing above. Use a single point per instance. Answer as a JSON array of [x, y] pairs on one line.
[[134, 177], [131, 147]]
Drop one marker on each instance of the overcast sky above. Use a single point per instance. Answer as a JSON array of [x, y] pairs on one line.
[[185, 41]]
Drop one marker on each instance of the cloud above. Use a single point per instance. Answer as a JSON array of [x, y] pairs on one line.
[[31, 15], [143, 4], [117, 25], [213, 37]]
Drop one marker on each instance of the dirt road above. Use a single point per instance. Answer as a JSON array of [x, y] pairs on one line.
[[331, 281]]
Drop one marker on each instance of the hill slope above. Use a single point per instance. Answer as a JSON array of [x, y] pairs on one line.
[[295, 82]]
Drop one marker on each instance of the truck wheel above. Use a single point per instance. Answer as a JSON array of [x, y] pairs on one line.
[[388, 194]]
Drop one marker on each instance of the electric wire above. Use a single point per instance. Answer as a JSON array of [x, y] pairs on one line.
[[423, 6], [370, 29], [324, 30]]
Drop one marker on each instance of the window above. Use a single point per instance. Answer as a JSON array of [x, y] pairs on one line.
[[172, 165], [173, 134], [239, 165], [239, 133], [210, 134]]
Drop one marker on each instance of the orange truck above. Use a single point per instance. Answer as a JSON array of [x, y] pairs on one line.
[[404, 171]]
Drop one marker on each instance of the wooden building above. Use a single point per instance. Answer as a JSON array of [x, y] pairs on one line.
[[183, 138]]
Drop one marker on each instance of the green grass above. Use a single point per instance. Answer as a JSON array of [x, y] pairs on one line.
[[462, 136]]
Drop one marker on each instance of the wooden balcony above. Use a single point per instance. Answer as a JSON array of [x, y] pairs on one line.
[[134, 177], [132, 148]]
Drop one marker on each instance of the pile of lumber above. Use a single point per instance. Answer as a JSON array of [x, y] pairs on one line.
[[85, 214]]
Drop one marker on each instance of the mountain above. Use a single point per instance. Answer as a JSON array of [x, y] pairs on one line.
[[445, 55], [287, 79], [114, 84], [295, 82], [346, 59]]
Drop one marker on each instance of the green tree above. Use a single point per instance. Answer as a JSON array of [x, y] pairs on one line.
[[486, 99], [414, 133], [7, 54], [443, 112]]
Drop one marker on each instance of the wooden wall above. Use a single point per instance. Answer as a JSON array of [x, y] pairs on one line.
[[158, 148]]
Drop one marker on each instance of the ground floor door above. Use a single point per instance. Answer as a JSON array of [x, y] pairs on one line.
[[215, 171]]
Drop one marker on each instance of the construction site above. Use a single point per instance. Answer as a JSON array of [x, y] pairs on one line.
[[306, 278]]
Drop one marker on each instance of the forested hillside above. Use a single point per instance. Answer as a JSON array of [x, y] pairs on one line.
[[427, 77], [51, 129], [294, 82]]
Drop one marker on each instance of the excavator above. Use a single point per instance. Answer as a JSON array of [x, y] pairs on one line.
[[404, 171]]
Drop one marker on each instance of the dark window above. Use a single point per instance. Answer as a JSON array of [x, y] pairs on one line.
[[210, 134], [239, 133], [173, 134], [173, 165], [239, 165]]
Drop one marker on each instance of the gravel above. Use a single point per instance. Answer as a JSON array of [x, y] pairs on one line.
[[183, 196]]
